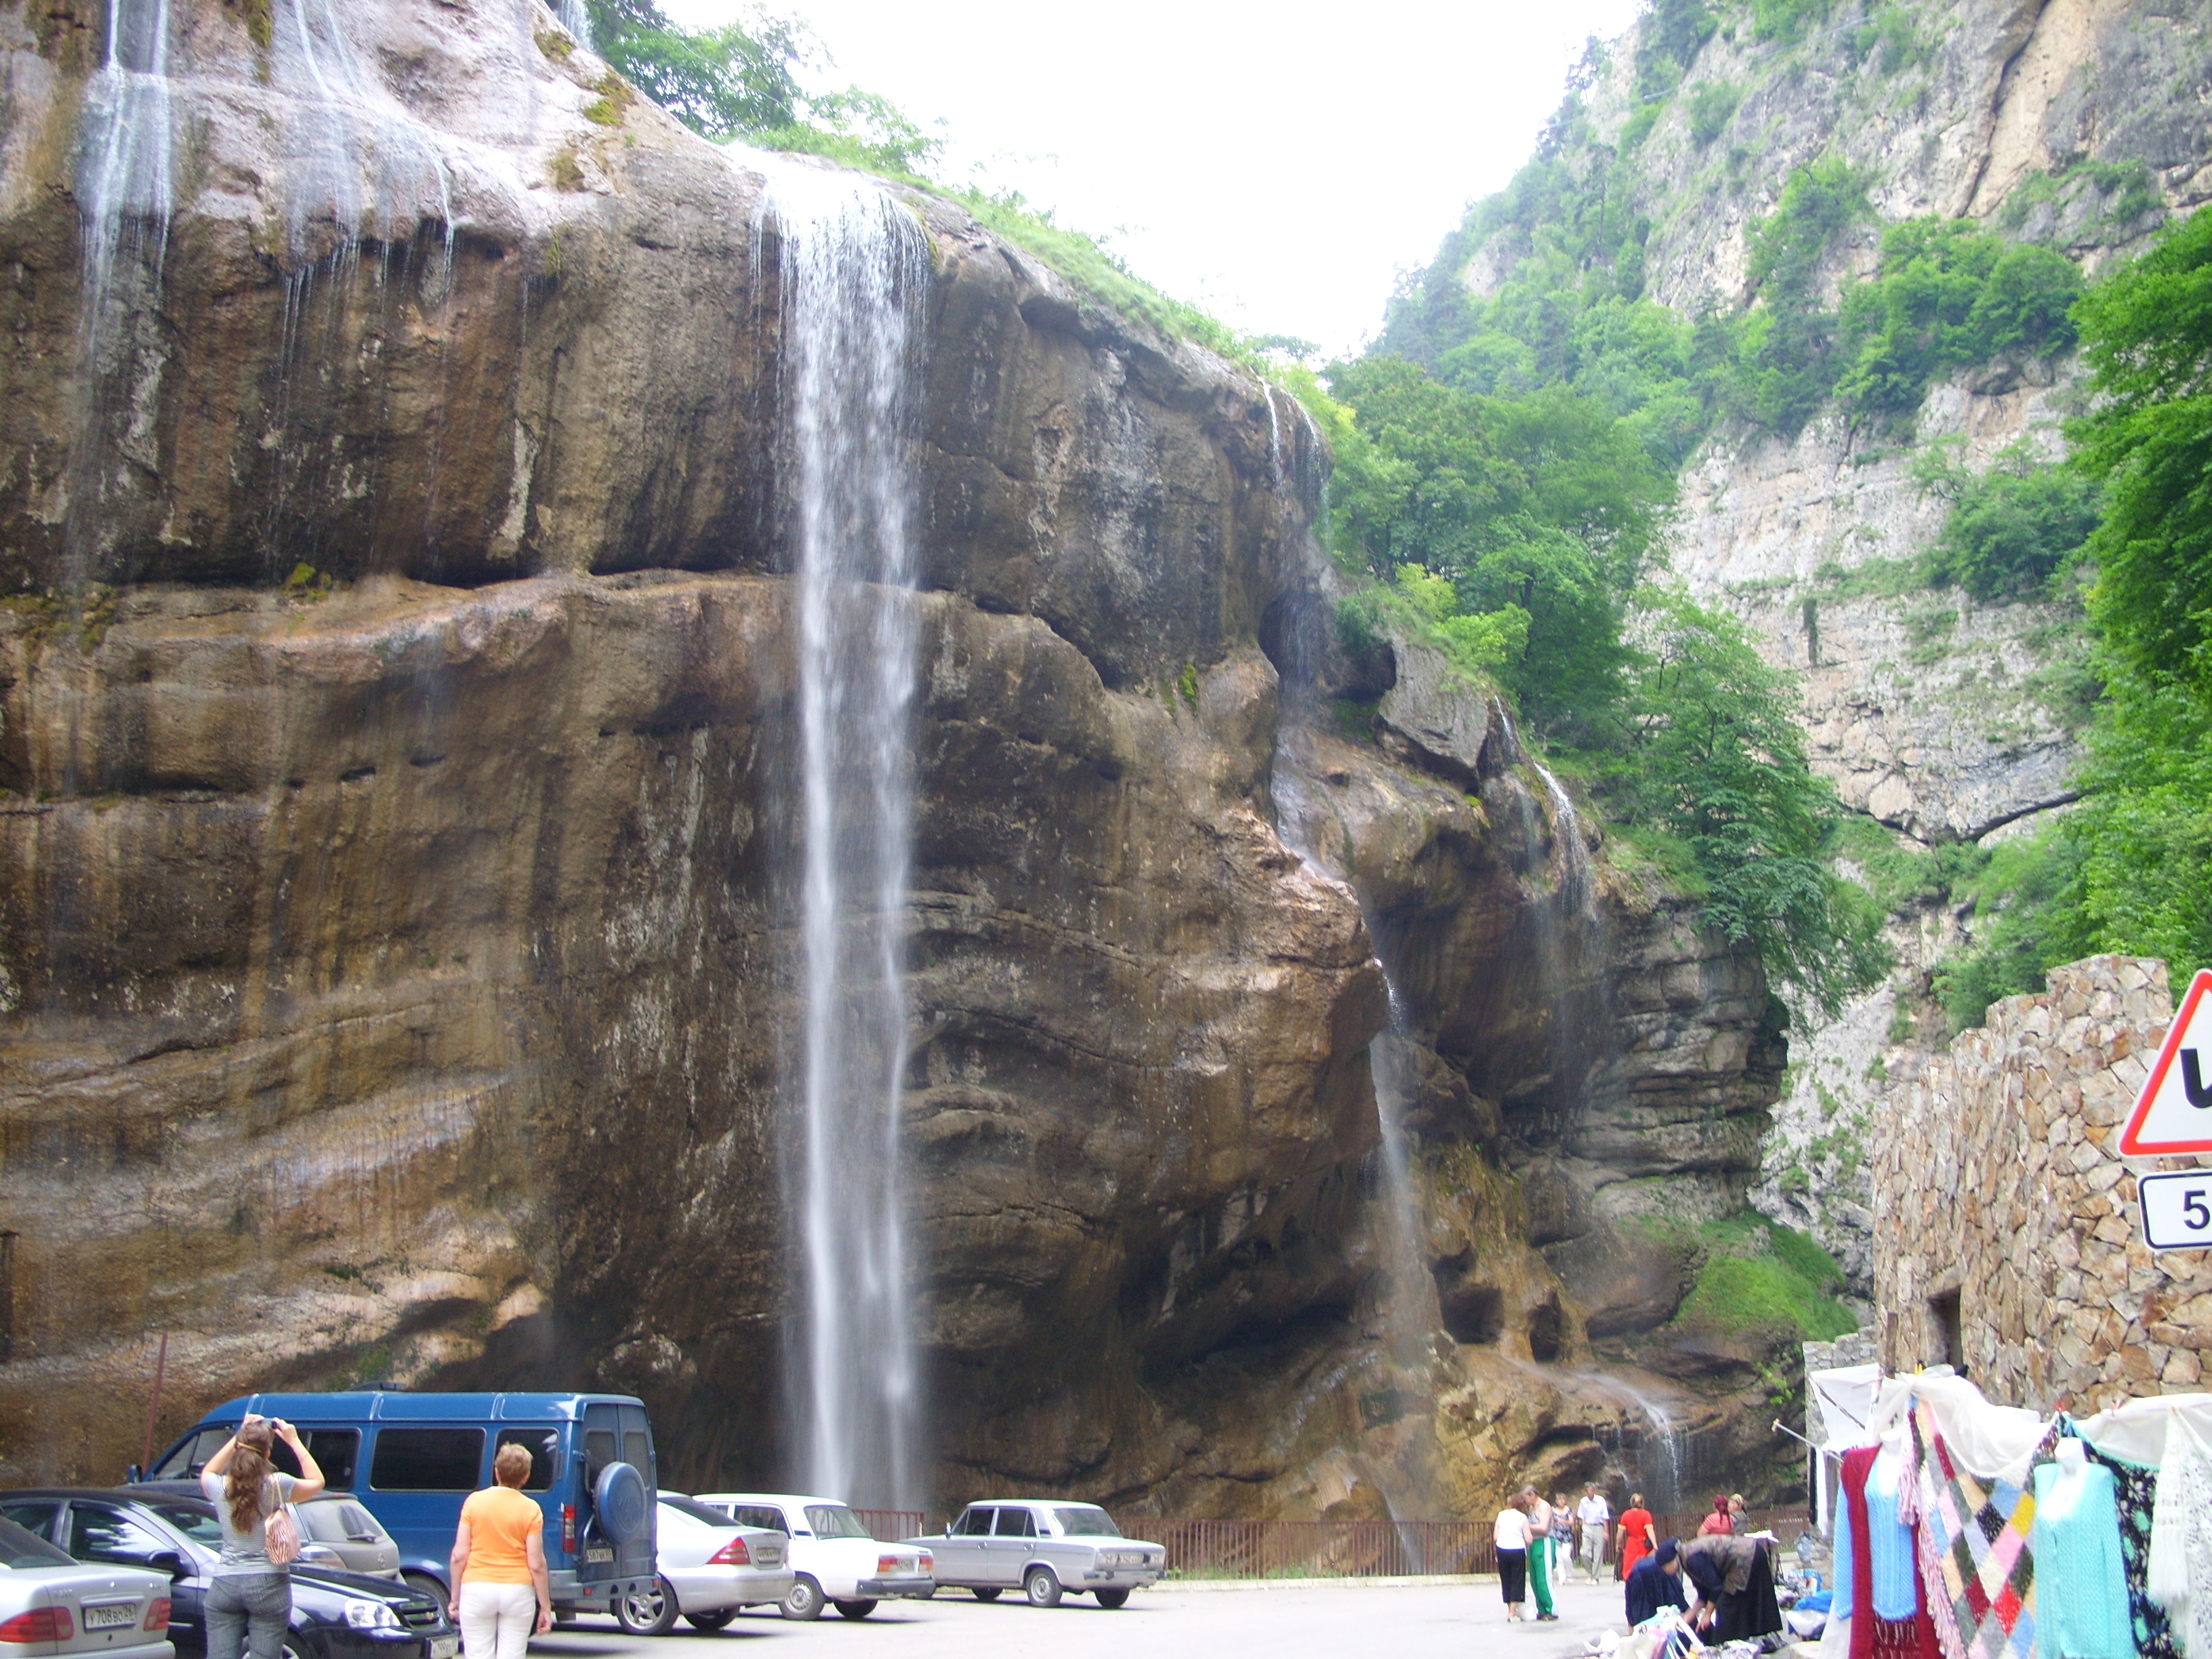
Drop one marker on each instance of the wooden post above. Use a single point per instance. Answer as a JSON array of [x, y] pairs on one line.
[[8, 1236], [154, 1406]]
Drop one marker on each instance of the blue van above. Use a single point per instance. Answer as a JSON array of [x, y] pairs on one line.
[[411, 1458]]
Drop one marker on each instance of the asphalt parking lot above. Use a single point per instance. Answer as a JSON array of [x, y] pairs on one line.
[[1418, 1622]]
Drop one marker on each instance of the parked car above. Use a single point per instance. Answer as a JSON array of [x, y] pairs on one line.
[[335, 1615], [55, 1604], [410, 1459], [710, 1568], [1044, 1549], [337, 1532], [834, 1557]]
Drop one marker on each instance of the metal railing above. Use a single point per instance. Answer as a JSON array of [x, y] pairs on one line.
[[892, 1525], [1319, 1549], [1334, 1549]]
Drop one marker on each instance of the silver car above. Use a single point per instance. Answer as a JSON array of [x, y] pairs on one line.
[[337, 1531], [51, 1604], [1044, 1549], [710, 1568]]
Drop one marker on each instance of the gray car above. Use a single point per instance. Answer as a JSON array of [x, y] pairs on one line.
[[1044, 1549], [337, 1531]]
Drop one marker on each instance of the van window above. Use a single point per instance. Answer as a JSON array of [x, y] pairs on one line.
[[543, 1446], [190, 1454], [427, 1459], [335, 1451]]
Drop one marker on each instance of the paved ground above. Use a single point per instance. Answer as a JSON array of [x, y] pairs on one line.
[[1414, 1622]]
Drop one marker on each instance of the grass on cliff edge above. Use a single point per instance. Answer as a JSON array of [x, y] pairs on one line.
[[1754, 1275]]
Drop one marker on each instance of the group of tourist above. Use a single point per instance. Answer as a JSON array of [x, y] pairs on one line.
[[1535, 1540], [498, 1561], [1732, 1574]]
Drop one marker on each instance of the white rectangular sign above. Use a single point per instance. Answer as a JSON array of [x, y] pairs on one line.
[[2177, 1209]]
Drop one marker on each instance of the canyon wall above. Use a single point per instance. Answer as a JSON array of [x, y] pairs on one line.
[[2082, 125], [397, 943]]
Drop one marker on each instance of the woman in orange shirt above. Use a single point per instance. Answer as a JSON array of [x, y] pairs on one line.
[[498, 1559]]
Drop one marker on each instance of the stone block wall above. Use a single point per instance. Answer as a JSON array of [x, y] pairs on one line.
[[2006, 1229]]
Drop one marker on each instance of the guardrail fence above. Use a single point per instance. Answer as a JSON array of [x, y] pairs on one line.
[[1334, 1549]]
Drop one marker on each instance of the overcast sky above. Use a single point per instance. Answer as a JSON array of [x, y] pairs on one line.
[[1279, 165]]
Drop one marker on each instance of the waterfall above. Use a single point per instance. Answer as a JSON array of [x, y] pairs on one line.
[[853, 265], [126, 183], [572, 17], [354, 154]]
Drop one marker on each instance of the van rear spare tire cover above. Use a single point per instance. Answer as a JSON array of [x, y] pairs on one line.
[[624, 1514]]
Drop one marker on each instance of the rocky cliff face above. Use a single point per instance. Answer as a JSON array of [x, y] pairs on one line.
[[396, 727]]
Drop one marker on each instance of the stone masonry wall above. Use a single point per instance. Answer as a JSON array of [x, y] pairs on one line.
[[1998, 1185]]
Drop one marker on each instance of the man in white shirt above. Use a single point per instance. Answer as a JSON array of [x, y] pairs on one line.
[[1594, 1519]]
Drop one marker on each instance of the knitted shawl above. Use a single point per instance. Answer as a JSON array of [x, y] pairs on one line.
[[1975, 1563], [1905, 1631]]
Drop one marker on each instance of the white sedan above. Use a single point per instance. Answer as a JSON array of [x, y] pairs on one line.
[[834, 1557], [709, 1567], [52, 1605]]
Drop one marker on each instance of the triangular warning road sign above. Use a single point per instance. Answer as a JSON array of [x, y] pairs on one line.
[[2173, 1114]]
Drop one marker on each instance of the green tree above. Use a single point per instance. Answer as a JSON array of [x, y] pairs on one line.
[[2011, 529], [1714, 760], [1548, 505], [2147, 338]]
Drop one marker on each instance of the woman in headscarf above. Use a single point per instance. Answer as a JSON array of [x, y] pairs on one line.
[[1720, 1522], [1735, 1587], [1655, 1583]]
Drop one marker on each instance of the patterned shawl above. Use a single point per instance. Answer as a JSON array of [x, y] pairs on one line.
[[1972, 1535]]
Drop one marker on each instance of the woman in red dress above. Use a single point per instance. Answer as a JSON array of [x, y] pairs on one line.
[[1634, 1540]]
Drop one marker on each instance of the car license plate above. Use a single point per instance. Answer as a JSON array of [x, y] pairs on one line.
[[116, 1615], [598, 1555], [445, 1647]]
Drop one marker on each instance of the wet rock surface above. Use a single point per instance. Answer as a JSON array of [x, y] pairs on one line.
[[395, 935]]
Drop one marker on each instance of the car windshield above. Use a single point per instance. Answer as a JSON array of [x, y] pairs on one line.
[[835, 1521], [1086, 1521], [22, 1548], [696, 1509], [196, 1521]]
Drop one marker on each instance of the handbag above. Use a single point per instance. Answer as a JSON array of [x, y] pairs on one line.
[[281, 1535]]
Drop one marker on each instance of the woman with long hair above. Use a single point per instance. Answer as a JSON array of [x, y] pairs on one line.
[[1720, 1523], [499, 1564], [249, 1597]]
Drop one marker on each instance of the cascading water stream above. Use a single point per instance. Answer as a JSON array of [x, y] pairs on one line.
[[572, 17], [126, 178], [853, 266]]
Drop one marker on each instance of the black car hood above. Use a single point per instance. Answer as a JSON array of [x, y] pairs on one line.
[[358, 1585]]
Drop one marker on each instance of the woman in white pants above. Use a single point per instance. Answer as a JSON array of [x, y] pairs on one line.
[[499, 1564]]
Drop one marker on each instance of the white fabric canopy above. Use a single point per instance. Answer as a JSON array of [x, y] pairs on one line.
[[1842, 1399], [2136, 1432], [1996, 1443]]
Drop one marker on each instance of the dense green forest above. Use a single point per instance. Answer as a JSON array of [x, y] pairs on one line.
[[1506, 466]]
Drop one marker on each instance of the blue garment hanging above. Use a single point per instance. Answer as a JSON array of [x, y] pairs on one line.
[[2080, 1580]]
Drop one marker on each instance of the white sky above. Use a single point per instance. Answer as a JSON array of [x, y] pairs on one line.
[[1277, 165]]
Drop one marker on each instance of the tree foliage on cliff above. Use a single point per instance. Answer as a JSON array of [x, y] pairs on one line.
[[2130, 868], [742, 80], [1514, 533]]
